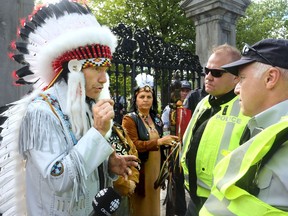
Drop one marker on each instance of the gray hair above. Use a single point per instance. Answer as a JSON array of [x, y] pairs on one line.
[[261, 68]]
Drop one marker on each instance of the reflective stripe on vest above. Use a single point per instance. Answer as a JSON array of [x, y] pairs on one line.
[[221, 135], [204, 105], [229, 198]]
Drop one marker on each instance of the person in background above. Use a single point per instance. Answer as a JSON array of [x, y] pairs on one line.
[[193, 98], [184, 91], [144, 126], [215, 127], [176, 205], [118, 107], [252, 179], [55, 138]]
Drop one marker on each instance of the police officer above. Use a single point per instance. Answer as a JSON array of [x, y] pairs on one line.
[[215, 127], [252, 180]]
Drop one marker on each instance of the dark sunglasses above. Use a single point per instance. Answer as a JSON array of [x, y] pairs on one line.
[[214, 72], [248, 48]]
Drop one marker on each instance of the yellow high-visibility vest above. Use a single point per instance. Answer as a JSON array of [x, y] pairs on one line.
[[221, 135], [228, 199]]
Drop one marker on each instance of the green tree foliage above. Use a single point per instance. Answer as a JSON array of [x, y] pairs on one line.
[[263, 19], [162, 18]]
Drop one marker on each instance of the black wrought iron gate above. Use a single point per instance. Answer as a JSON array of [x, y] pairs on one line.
[[138, 52]]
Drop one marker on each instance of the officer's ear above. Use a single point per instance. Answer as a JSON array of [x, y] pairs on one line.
[[236, 79], [272, 76]]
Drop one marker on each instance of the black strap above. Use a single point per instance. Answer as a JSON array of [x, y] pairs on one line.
[[101, 176], [245, 135]]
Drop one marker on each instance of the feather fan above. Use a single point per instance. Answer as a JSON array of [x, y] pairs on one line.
[[144, 79]]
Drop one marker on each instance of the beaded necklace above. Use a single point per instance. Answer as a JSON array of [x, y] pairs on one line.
[[145, 118], [55, 107]]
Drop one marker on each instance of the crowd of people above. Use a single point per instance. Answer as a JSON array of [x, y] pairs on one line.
[[63, 154]]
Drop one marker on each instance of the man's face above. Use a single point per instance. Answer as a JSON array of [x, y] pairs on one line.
[[252, 99], [95, 77], [218, 86], [183, 93]]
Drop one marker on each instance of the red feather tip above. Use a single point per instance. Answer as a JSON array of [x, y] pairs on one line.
[[14, 75], [13, 45], [10, 55], [22, 21], [37, 8], [17, 84], [18, 32], [30, 17]]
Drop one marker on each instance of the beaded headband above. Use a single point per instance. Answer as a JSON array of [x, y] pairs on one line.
[[95, 62], [145, 82], [144, 89]]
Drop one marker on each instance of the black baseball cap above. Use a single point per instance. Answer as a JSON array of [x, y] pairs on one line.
[[185, 85], [273, 52]]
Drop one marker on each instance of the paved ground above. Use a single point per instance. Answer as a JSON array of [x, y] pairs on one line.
[[163, 207]]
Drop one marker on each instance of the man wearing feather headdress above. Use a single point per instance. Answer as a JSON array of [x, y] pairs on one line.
[[59, 131]]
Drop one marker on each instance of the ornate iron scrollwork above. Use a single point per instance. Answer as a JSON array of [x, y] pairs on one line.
[[138, 51], [143, 48]]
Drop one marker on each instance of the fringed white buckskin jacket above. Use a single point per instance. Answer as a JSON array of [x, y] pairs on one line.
[[61, 172]]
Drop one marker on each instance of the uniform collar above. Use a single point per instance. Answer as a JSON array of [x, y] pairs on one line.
[[221, 100], [269, 116]]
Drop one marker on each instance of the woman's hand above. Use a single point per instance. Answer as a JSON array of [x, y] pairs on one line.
[[170, 140], [132, 186]]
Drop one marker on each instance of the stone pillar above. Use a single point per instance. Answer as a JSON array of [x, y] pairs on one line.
[[215, 22], [10, 14]]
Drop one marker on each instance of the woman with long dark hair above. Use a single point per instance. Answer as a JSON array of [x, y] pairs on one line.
[[145, 128]]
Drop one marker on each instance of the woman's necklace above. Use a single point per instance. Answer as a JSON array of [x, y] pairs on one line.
[[145, 118]]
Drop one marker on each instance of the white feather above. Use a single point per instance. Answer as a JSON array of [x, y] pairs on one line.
[[105, 94], [59, 35], [144, 79], [12, 164], [76, 105]]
